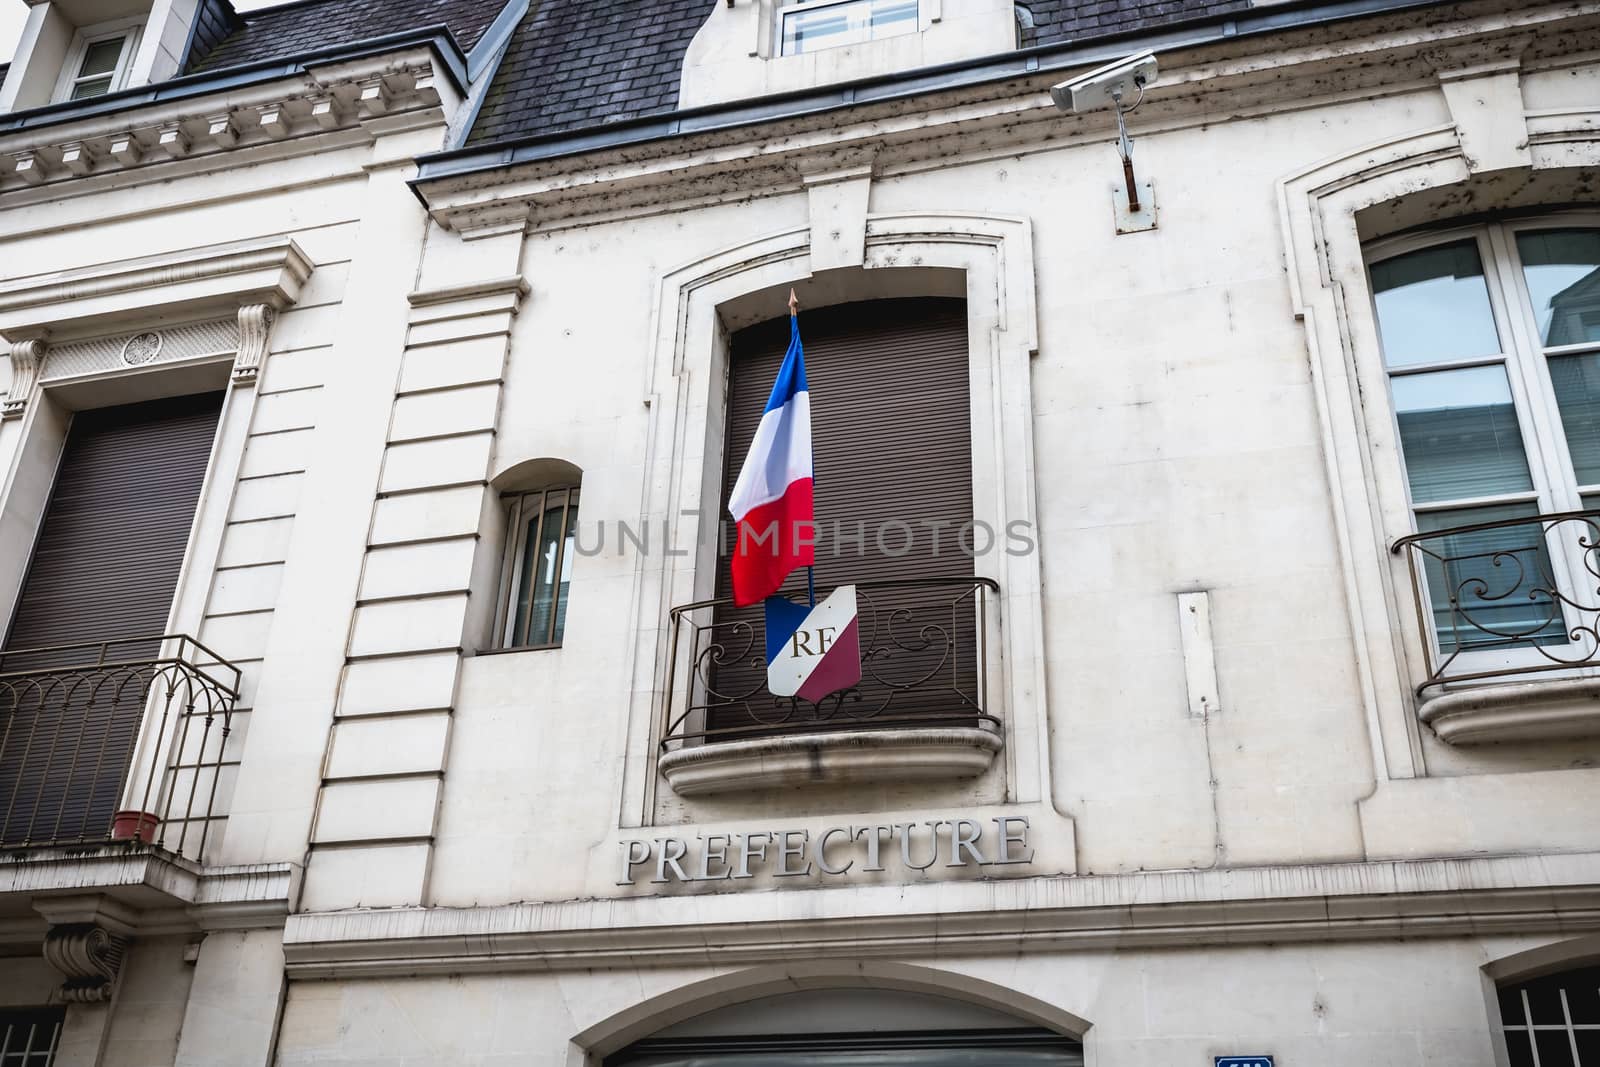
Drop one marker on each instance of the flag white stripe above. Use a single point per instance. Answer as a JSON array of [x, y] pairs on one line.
[[778, 457]]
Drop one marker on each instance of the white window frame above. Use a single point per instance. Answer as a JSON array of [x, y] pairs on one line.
[[511, 591], [129, 29], [785, 10], [1524, 357]]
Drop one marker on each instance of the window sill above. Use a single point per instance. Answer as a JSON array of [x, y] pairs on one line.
[[514, 649], [1545, 710], [830, 758]]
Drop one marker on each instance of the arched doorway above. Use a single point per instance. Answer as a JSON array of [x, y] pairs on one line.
[[852, 1027]]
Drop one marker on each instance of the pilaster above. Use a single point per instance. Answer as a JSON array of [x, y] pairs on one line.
[[383, 774]]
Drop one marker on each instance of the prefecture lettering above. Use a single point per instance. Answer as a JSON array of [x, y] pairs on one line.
[[835, 852]]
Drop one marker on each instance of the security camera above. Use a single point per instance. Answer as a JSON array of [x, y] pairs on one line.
[[1106, 85]]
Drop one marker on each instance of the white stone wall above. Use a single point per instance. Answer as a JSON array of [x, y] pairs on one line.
[[1177, 410]]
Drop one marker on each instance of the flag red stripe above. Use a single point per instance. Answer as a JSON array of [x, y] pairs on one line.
[[768, 544]]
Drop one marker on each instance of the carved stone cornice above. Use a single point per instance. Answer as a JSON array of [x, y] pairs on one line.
[[580, 177], [89, 956], [326, 98], [27, 357], [1558, 894], [255, 326], [130, 292]]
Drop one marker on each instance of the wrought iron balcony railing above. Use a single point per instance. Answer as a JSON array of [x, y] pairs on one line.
[[116, 741], [1505, 598], [924, 662]]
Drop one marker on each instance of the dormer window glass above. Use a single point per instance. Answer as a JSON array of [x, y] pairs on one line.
[[812, 25], [101, 66]]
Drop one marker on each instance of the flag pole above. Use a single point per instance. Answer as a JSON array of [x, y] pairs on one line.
[[811, 571]]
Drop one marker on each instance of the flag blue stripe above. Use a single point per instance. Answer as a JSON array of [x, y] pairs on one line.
[[792, 375]]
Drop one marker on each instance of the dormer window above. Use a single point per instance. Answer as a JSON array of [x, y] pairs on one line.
[[97, 73], [812, 25], [98, 61]]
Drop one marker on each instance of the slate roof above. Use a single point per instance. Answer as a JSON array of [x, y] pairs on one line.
[[311, 25], [578, 63], [1058, 21]]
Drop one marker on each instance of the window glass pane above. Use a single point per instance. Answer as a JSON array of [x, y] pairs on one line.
[[1519, 1043], [566, 570], [1563, 272], [525, 572], [101, 57], [1577, 384], [845, 23], [1458, 431], [1434, 305], [94, 87], [1555, 1048], [542, 590], [1490, 588]]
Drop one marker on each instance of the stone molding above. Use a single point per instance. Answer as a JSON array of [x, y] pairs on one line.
[[1319, 208], [1539, 709], [828, 758], [27, 357], [144, 892], [269, 271], [1245, 78], [319, 100], [693, 305], [1521, 895]]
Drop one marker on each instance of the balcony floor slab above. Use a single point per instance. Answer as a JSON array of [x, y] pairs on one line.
[[833, 757]]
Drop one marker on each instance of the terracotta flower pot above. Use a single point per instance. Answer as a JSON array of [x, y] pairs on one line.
[[134, 826]]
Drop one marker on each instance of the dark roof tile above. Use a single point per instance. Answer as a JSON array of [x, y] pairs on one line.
[[312, 25]]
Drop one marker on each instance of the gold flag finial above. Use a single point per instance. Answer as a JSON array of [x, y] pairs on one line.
[[794, 303]]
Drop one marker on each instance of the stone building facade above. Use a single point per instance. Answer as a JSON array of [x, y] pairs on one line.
[[376, 377]]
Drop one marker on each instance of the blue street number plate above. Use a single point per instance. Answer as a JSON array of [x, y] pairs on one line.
[[1244, 1061]]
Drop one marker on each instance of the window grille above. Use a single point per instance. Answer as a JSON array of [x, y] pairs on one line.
[[29, 1036], [1553, 1021]]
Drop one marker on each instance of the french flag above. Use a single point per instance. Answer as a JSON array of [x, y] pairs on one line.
[[771, 501]]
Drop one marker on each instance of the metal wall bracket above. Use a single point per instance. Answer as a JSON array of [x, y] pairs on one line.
[[1135, 221]]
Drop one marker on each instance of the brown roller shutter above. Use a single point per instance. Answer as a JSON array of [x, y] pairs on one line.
[[104, 569], [891, 443]]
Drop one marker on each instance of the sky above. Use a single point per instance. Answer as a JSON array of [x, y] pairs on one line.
[[13, 13]]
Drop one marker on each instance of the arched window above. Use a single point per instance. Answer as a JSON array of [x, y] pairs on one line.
[[849, 1028], [541, 531], [1491, 342], [1553, 1021]]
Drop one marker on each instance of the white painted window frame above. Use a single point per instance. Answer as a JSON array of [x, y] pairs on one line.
[[1555, 488], [129, 29], [782, 12], [515, 503]]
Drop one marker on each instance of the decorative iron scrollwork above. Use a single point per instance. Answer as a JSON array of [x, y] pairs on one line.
[[923, 659], [70, 720], [1512, 597]]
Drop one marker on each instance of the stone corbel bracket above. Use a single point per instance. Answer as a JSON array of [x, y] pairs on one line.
[[27, 358], [87, 941], [255, 327]]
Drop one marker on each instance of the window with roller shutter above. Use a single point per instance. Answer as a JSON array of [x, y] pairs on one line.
[[892, 450], [103, 573]]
